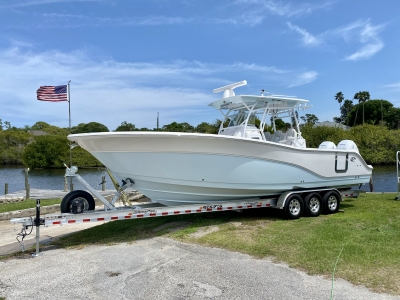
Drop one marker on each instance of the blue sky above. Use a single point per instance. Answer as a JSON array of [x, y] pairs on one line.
[[128, 60]]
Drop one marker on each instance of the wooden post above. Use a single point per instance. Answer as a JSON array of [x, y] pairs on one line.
[[65, 184], [6, 189], [27, 187], [103, 183], [371, 185]]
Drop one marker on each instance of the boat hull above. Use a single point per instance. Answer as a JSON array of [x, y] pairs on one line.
[[176, 168]]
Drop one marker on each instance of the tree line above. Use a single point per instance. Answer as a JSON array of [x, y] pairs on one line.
[[367, 111], [376, 133], [46, 146]]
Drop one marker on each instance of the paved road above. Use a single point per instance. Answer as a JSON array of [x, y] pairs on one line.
[[161, 268]]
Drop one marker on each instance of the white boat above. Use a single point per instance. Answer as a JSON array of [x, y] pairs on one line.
[[240, 162]]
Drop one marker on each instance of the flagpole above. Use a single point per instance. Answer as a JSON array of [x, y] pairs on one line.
[[71, 186]]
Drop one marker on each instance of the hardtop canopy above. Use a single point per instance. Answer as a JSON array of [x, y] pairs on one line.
[[260, 102]]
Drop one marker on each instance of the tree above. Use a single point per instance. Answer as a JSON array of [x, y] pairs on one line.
[[46, 151], [89, 127], [281, 125], [345, 110], [4, 125], [339, 98], [374, 110], [362, 97], [12, 143], [205, 127], [310, 119], [125, 126], [178, 127], [40, 125]]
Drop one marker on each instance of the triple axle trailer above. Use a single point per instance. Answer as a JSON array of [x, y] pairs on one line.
[[79, 206]]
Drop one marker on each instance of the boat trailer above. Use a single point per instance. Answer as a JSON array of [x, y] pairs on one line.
[[289, 201]]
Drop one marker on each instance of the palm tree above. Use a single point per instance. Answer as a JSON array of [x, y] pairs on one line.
[[339, 97], [362, 97]]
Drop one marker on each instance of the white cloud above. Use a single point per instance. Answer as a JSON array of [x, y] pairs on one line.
[[247, 19], [366, 51], [110, 92], [286, 9], [394, 85], [304, 78], [16, 3], [307, 38], [65, 20], [364, 33]]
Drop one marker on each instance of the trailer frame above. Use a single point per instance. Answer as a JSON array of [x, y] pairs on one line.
[[112, 212]]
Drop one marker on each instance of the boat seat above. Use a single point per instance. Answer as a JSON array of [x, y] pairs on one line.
[[290, 137], [276, 137], [267, 136]]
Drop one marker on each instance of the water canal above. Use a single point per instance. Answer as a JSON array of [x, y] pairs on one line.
[[384, 178]]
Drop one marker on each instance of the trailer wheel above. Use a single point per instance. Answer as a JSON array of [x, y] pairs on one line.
[[69, 199], [313, 205], [331, 201], [294, 207]]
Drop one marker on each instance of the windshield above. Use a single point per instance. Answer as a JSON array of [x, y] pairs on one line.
[[239, 117]]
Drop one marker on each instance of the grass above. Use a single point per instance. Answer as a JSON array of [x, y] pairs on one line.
[[366, 235], [30, 203]]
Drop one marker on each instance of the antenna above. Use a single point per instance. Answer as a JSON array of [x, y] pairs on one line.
[[158, 114], [228, 89]]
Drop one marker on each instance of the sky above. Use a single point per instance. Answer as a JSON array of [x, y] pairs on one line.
[[129, 60]]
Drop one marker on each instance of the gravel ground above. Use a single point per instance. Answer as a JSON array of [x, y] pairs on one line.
[[161, 268], [157, 268]]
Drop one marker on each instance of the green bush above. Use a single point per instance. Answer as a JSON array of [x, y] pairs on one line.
[[52, 151], [377, 144], [12, 144], [82, 158], [315, 135], [46, 151]]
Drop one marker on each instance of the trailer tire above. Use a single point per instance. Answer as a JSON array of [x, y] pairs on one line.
[[294, 207], [313, 205], [69, 198], [331, 201]]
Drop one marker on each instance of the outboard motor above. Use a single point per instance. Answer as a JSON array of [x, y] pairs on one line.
[[327, 145], [348, 145]]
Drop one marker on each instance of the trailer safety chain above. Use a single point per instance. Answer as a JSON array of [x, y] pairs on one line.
[[24, 234]]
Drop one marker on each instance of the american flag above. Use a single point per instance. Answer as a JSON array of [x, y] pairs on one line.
[[52, 93]]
